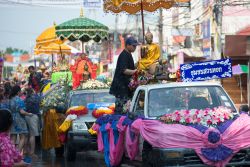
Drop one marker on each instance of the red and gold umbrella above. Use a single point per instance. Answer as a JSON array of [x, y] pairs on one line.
[[134, 6]]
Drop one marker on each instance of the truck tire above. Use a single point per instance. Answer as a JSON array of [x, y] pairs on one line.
[[70, 152], [59, 151]]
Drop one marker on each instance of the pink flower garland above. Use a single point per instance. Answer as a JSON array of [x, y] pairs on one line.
[[207, 117]]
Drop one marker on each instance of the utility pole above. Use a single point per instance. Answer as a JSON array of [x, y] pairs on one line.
[[115, 39], [115, 33], [218, 11], [137, 27], [160, 30]]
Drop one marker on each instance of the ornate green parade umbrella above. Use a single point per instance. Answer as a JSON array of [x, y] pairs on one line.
[[83, 29]]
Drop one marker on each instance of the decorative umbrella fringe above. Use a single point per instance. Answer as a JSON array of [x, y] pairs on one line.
[[72, 36]]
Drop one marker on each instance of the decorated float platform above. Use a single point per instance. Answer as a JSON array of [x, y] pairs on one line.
[[215, 145], [57, 76], [215, 134]]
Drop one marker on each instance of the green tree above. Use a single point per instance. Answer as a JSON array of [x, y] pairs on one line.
[[15, 50], [9, 50]]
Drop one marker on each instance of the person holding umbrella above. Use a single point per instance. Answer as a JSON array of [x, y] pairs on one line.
[[125, 68]]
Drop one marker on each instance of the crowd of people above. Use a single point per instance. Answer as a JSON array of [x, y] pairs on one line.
[[19, 119], [20, 101]]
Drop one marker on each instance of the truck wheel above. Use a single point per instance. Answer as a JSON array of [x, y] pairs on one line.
[[146, 155], [59, 151], [70, 152]]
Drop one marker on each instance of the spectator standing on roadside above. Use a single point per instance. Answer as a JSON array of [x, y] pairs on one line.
[[9, 155], [17, 108], [32, 103], [34, 79], [125, 68]]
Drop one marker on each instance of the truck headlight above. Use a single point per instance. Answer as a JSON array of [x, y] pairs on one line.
[[79, 126]]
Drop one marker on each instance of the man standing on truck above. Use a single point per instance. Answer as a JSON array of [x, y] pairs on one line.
[[125, 68]]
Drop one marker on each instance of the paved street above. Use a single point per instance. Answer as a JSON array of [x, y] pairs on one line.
[[88, 159]]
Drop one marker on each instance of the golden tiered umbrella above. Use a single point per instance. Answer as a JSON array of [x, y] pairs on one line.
[[48, 43], [53, 48], [134, 6], [47, 37]]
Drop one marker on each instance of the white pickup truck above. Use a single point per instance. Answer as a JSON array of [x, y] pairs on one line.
[[78, 137], [152, 101]]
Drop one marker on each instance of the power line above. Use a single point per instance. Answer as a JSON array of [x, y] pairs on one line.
[[18, 32]]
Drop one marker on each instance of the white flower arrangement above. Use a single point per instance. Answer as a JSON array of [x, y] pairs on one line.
[[94, 84]]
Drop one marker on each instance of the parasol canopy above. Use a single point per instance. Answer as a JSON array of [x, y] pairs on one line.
[[83, 29], [239, 69], [47, 37], [133, 6], [52, 49]]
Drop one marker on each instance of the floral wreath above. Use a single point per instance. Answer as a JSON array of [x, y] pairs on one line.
[[77, 110], [139, 78], [103, 111], [207, 117]]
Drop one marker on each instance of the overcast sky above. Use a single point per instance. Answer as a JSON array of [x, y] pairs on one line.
[[20, 25]]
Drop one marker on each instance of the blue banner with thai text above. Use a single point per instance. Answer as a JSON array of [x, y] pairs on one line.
[[92, 106], [200, 71]]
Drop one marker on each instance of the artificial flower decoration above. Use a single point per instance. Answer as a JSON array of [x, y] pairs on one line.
[[57, 97], [207, 117], [101, 111], [94, 84], [67, 123], [126, 107], [112, 107], [178, 75], [77, 110], [92, 131], [139, 78]]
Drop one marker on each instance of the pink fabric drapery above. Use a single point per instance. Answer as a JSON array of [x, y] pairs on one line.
[[162, 135], [99, 138], [116, 150]]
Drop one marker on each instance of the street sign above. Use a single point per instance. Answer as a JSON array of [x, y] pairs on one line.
[[200, 71], [93, 4], [92, 106], [206, 29]]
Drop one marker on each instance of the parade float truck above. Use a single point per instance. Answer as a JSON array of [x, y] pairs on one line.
[[85, 105], [177, 124], [191, 131]]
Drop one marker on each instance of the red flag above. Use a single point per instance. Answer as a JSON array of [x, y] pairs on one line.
[[1, 68]]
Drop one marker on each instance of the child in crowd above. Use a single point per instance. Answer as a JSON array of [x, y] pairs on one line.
[[9, 155]]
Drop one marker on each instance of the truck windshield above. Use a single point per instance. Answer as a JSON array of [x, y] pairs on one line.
[[168, 100], [83, 99]]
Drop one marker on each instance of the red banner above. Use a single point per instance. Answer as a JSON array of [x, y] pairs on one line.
[[1, 68]]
